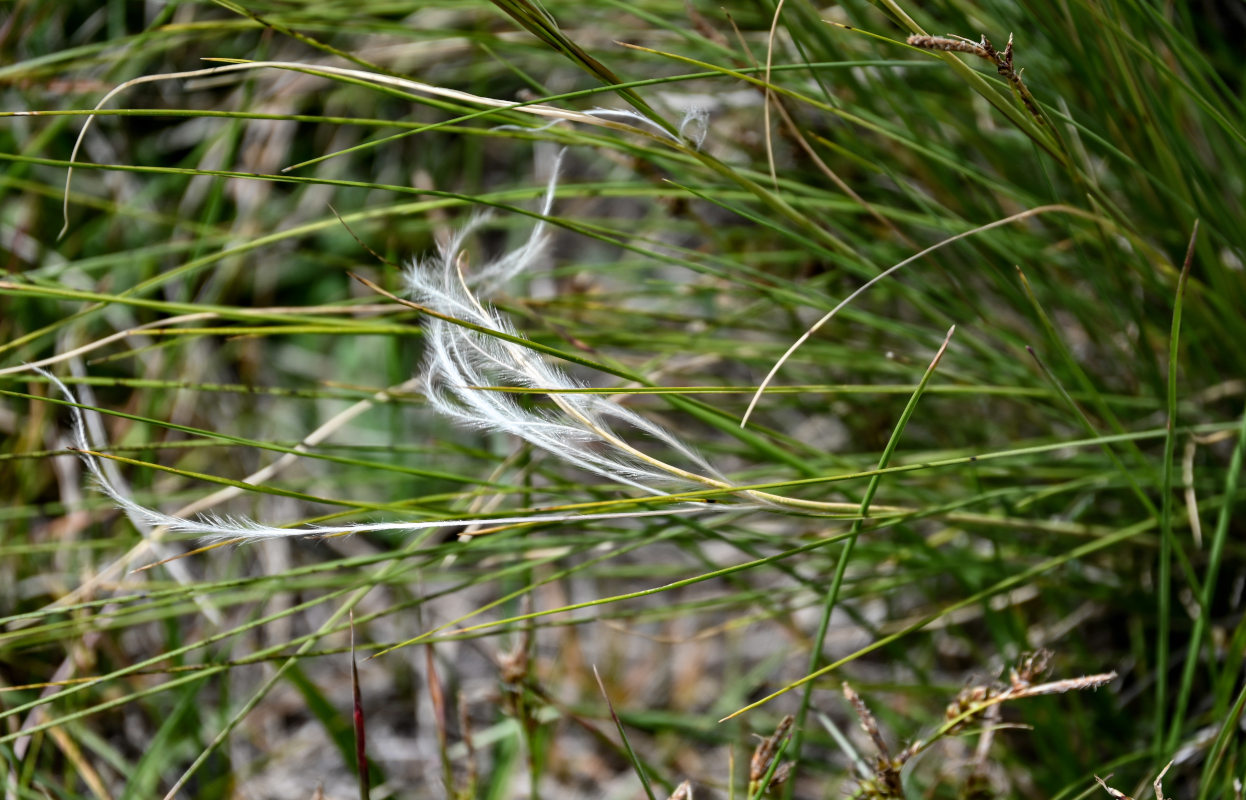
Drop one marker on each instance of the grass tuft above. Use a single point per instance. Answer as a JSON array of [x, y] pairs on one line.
[[480, 344]]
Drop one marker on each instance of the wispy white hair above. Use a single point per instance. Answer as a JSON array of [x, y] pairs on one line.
[[460, 365], [215, 527], [459, 360]]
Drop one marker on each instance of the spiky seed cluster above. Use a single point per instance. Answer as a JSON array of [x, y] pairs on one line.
[[984, 49], [1029, 668], [979, 703], [975, 701], [971, 701]]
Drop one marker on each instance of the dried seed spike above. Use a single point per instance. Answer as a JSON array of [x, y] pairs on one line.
[[1159, 787], [885, 782], [1119, 795], [868, 723], [984, 49], [945, 44], [682, 792], [764, 754], [1062, 686], [970, 42]]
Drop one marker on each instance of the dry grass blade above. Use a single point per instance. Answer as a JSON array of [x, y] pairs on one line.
[[358, 720], [828, 316]]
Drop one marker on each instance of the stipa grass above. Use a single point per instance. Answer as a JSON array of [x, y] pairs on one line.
[[1084, 505]]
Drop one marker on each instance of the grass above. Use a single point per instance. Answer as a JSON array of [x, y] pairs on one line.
[[994, 562]]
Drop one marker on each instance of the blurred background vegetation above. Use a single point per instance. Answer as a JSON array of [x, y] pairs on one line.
[[1070, 471]]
